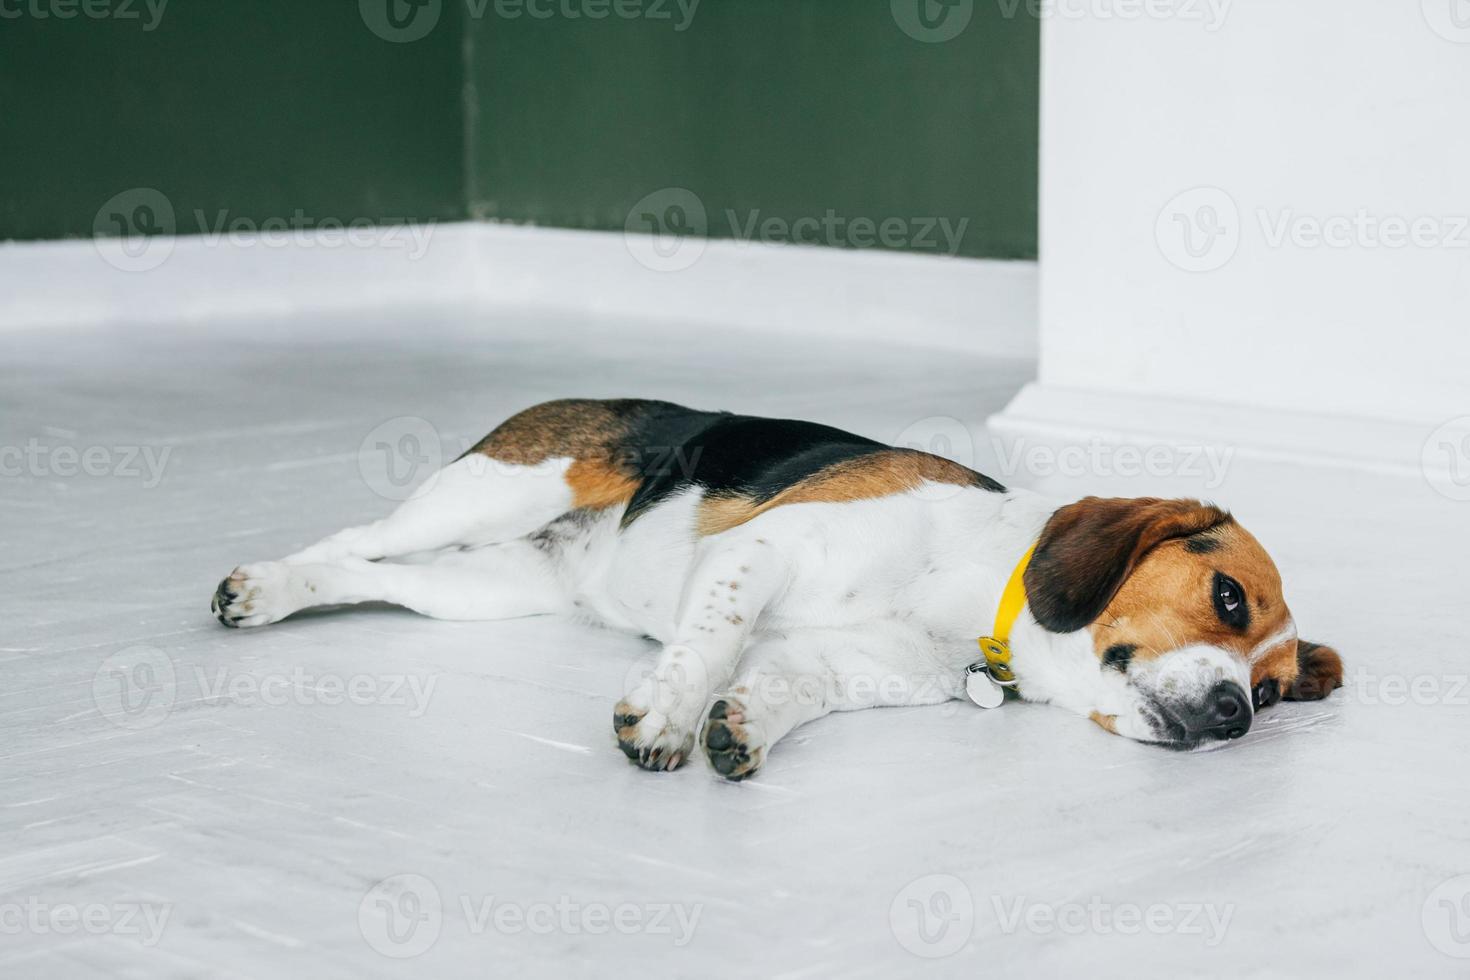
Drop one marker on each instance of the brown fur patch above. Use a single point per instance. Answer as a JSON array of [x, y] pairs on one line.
[[586, 430], [597, 484], [878, 474], [576, 427]]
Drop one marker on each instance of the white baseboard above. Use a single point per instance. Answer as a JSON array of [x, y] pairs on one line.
[[197, 279], [1047, 415], [985, 307], [981, 306]]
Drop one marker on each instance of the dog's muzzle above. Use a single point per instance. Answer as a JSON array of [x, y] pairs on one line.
[[1225, 713]]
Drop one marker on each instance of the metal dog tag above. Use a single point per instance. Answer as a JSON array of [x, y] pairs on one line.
[[981, 689]]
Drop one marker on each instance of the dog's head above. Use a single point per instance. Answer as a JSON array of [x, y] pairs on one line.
[[1186, 606]]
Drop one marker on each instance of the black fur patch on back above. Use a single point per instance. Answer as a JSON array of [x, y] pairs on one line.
[[670, 448], [741, 455]]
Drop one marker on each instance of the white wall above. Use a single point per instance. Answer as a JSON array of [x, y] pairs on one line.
[[1306, 110]]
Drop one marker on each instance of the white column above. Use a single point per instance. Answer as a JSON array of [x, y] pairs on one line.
[[1255, 221]]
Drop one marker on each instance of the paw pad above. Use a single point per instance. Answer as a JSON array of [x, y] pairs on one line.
[[728, 743]]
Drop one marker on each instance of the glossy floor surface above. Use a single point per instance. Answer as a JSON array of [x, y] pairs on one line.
[[372, 794]]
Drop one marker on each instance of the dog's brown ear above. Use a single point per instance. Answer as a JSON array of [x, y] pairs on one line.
[[1319, 672], [1088, 549]]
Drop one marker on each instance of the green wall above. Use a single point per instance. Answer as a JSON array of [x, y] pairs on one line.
[[255, 108], [825, 116], [767, 108]]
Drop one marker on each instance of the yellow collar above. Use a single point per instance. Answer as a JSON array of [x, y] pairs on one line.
[[997, 646]]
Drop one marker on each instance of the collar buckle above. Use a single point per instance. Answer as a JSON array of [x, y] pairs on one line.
[[997, 661]]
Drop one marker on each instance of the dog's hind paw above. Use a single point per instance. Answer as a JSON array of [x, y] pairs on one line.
[[254, 595], [734, 746]]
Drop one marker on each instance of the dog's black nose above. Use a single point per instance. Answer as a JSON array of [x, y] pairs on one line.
[[1225, 713]]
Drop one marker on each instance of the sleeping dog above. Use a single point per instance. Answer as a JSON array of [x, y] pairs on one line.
[[791, 569]]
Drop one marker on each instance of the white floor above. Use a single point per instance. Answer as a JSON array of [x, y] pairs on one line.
[[180, 800]]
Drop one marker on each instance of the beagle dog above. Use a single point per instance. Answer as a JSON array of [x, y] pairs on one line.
[[790, 569]]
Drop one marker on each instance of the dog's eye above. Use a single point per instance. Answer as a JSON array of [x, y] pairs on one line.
[[1118, 656], [1266, 693], [1230, 602]]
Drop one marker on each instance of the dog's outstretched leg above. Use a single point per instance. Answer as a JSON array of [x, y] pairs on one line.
[[495, 582], [473, 501]]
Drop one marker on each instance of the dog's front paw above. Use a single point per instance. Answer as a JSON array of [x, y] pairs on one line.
[[657, 722], [651, 738], [734, 745], [255, 595]]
